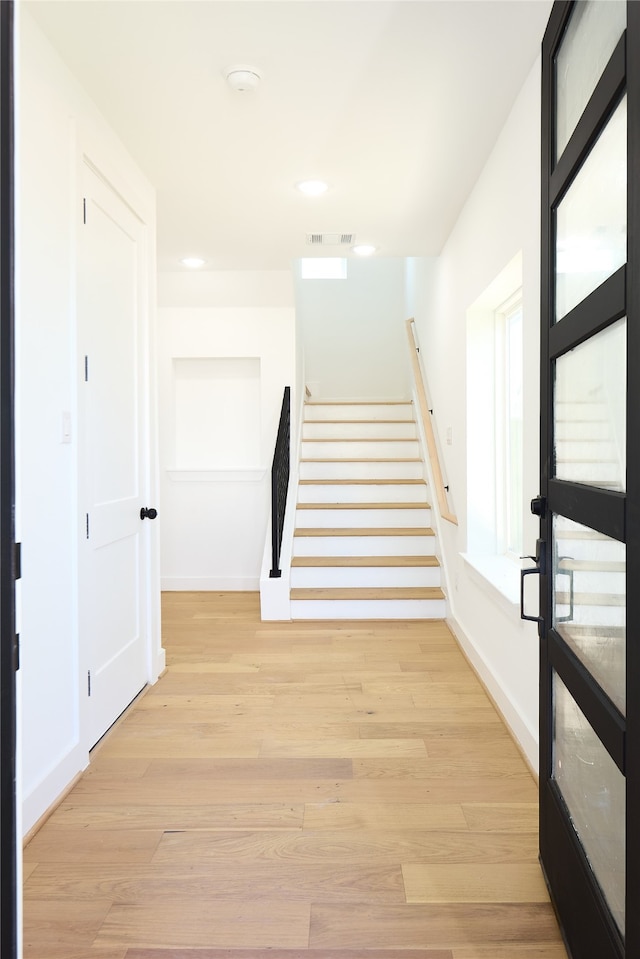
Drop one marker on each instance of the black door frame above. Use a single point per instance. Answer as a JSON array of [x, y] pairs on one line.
[[582, 911], [8, 552]]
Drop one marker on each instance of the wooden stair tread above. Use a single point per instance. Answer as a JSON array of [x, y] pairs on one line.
[[336, 422], [361, 482], [576, 460], [359, 439], [365, 561], [358, 403], [369, 593], [365, 459], [343, 505], [364, 531]]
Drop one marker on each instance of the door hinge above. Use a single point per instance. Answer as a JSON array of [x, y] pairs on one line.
[[89, 682], [87, 515], [86, 369], [16, 652], [17, 560], [84, 210]]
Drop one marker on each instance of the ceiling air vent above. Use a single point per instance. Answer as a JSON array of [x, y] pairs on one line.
[[330, 239]]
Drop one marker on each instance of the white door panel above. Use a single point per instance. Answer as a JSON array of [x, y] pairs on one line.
[[113, 544]]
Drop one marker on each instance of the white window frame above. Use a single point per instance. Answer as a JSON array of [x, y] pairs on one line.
[[508, 487]]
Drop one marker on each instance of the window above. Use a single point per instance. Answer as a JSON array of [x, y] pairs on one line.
[[495, 362], [323, 268]]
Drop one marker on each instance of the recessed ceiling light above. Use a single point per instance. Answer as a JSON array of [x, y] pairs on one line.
[[193, 262], [313, 187], [363, 249]]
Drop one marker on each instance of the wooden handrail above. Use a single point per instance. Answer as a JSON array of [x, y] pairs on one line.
[[440, 491]]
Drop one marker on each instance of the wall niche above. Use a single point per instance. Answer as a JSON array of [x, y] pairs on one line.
[[217, 413]]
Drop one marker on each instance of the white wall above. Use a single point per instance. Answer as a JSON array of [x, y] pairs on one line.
[[353, 330], [55, 121], [499, 219], [214, 514]]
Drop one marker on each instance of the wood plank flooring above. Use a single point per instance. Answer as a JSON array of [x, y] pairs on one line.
[[296, 791]]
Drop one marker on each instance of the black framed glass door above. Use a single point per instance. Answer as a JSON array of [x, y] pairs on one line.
[[8, 556], [590, 475]]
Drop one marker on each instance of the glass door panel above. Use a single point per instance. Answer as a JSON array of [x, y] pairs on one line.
[[593, 789], [589, 486], [589, 602], [594, 28], [591, 219], [590, 397]]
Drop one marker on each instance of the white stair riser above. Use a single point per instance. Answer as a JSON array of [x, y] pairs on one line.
[[590, 473], [368, 609], [369, 493], [328, 577], [337, 430], [607, 550], [574, 449], [363, 545], [592, 582], [364, 518], [576, 410], [358, 411], [354, 470], [349, 449], [588, 615], [582, 429]]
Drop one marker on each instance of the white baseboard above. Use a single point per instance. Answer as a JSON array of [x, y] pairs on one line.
[[210, 583], [44, 797], [523, 735]]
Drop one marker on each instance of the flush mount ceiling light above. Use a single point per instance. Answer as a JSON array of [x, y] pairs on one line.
[[242, 78], [363, 249], [193, 262], [312, 187]]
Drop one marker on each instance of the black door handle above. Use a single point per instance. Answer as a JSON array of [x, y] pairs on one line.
[[523, 573], [148, 513], [539, 569]]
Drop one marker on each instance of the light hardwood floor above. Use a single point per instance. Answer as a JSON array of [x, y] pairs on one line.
[[296, 791]]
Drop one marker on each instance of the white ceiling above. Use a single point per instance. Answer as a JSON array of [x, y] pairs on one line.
[[396, 104]]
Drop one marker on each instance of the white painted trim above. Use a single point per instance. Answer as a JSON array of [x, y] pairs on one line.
[[210, 583], [52, 785], [217, 476], [525, 737], [501, 575]]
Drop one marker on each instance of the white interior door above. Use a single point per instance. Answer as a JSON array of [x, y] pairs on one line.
[[113, 548]]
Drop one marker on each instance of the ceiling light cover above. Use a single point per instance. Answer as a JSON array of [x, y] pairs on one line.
[[363, 249], [313, 187], [243, 78], [193, 262]]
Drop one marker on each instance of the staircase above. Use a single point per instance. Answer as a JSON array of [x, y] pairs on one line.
[[585, 451], [363, 546]]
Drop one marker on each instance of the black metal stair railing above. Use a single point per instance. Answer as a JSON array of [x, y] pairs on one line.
[[280, 482]]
